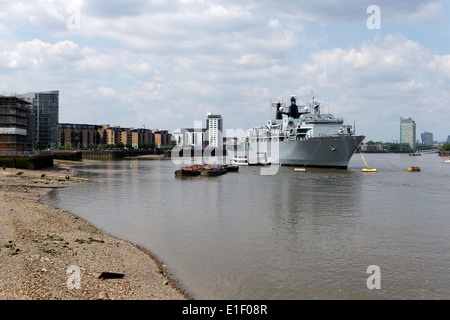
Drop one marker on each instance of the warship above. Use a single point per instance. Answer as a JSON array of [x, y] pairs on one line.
[[302, 136]]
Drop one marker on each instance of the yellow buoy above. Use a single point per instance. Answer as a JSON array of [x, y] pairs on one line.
[[414, 169], [369, 170]]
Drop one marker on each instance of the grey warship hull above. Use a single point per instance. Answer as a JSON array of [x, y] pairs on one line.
[[327, 152]]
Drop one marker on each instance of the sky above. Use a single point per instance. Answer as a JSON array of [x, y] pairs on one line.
[[166, 64]]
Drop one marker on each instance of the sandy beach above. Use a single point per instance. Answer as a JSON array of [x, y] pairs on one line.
[[50, 254]]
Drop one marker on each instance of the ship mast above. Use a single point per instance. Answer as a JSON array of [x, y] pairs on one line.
[[278, 106], [315, 105]]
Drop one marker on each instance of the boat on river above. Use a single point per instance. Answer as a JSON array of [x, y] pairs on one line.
[[239, 160], [205, 170], [189, 171], [302, 136], [213, 170], [231, 167]]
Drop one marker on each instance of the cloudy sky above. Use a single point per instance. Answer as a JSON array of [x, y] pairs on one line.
[[165, 64]]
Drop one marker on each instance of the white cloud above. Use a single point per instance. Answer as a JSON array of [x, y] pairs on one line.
[[439, 66], [424, 12], [171, 62], [106, 92], [385, 59], [383, 79]]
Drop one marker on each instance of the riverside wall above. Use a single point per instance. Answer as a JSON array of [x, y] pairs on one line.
[[28, 162], [101, 154]]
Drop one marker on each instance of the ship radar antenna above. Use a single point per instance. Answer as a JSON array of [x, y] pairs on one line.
[[313, 93]]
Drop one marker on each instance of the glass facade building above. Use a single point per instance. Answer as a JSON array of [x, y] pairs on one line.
[[408, 131], [45, 117], [427, 138], [214, 129]]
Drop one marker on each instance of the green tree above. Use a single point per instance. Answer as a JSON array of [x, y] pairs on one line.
[[398, 147], [404, 147], [446, 146], [38, 146], [393, 146]]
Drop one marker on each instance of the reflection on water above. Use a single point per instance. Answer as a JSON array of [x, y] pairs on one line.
[[288, 236]]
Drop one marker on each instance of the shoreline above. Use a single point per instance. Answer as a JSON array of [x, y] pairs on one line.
[[40, 245]]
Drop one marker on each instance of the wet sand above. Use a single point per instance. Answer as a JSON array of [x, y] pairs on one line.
[[50, 254]]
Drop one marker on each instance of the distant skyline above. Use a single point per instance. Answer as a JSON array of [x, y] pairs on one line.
[[167, 64]]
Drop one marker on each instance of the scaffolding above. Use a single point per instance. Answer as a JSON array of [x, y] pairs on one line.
[[15, 125]]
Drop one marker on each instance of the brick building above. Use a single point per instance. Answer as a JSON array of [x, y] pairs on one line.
[[83, 135]]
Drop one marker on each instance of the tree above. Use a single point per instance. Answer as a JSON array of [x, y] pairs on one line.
[[404, 147], [446, 146], [393, 146], [399, 147], [68, 145], [38, 146]]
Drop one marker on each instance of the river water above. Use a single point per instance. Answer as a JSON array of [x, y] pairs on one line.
[[288, 236]]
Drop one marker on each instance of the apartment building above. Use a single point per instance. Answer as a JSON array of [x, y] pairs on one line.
[[15, 125], [190, 137], [427, 138], [141, 136], [78, 135], [201, 137], [408, 131], [45, 116], [83, 135], [214, 129], [162, 137], [113, 135]]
